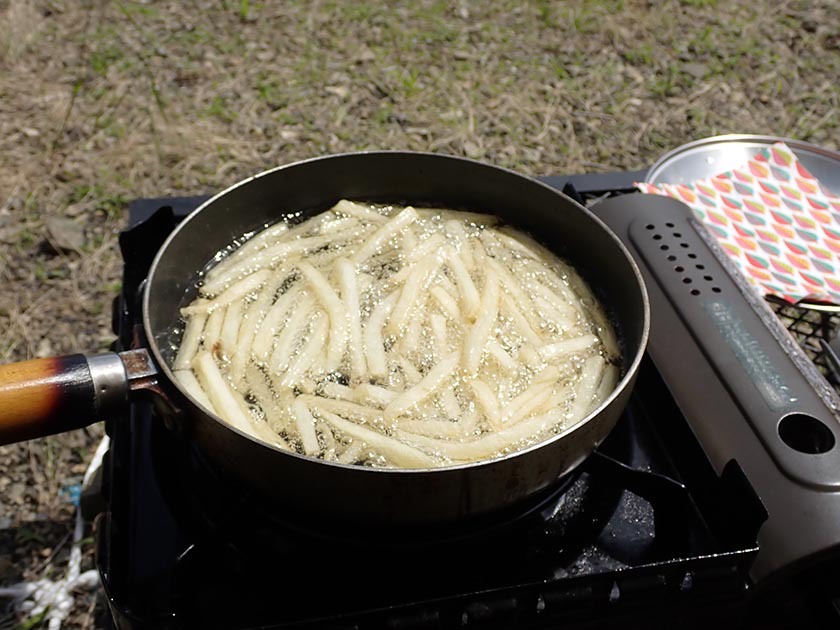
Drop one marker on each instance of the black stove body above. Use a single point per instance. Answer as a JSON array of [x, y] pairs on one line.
[[690, 513]]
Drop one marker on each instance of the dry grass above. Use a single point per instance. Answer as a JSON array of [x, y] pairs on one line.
[[101, 102]]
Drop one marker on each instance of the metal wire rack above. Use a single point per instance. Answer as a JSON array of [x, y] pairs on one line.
[[809, 323]]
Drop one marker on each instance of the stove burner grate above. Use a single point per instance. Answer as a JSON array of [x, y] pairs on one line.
[[646, 535]]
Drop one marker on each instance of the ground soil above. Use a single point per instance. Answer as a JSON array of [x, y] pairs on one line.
[[102, 102]]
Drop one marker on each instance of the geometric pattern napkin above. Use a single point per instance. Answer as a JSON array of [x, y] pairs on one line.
[[777, 222]]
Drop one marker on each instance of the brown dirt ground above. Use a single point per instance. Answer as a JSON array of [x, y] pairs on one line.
[[102, 102]]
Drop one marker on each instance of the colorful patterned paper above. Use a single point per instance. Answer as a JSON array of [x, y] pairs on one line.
[[778, 223]]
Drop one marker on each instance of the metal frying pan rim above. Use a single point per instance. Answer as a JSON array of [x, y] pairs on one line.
[[629, 373]]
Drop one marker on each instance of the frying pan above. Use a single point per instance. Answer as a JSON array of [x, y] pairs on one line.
[[46, 396]]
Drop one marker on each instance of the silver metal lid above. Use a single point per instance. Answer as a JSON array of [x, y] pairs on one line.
[[710, 156]]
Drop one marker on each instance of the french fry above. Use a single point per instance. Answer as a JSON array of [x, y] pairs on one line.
[[415, 286], [523, 243], [488, 401], [393, 450], [470, 301], [235, 293], [566, 347], [270, 325], [505, 241], [230, 329], [427, 247], [411, 373], [558, 398], [190, 341], [434, 378], [308, 353], [213, 330], [338, 391], [226, 400], [473, 219], [350, 296], [606, 332], [190, 383], [248, 329], [559, 303], [519, 304], [413, 331], [268, 257], [259, 240], [507, 362], [327, 438], [438, 325], [539, 390], [455, 231], [447, 303], [307, 385], [359, 211], [286, 341], [335, 310], [447, 284], [336, 225], [487, 445], [361, 413], [449, 403], [552, 318], [306, 427], [445, 429], [409, 240], [608, 382], [479, 334], [385, 232], [469, 422], [374, 394], [374, 346], [522, 323], [352, 453], [479, 254], [590, 377], [529, 356], [256, 384], [550, 373], [528, 406]]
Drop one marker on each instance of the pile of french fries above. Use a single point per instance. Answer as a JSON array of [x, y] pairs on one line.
[[398, 337]]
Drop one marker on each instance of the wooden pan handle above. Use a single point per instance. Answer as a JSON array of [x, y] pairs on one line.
[[46, 396]]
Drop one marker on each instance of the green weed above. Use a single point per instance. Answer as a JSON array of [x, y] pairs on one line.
[[357, 11], [218, 108], [643, 55], [143, 10], [271, 93], [383, 115], [409, 83], [112, 205], [35, 621], [101, 60], [25, 535]]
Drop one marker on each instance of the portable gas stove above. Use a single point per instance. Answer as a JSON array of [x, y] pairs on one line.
[[715, 500]]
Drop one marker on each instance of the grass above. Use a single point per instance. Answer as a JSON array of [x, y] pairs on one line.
[[132, 99]]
